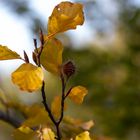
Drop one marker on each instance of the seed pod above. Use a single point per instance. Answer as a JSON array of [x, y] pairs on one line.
[[68, 69]]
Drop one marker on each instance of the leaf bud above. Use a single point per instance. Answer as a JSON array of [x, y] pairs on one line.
[[34, 56], [41, 36], [26, 57]]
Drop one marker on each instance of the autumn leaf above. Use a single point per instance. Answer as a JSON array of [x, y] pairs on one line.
[[77, 94], [34, 110], [25, 129], [78, 123], [83, 136], [48, 134], [28, 77], [65, 16], [51, 56], [34, 114], [7, 54], [56, 106], [24, 133]]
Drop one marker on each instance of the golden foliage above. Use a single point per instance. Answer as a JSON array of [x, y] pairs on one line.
[[25, 129], [28, 77], [7, 54], [47, 134], [39, 119], [51, 56], [65, 16], [24, 133], [83, 136], [56, 106], [77, 94]]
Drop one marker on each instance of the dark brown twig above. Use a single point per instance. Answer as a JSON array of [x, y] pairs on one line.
[[45, 103], [47, 108], [68, 92]]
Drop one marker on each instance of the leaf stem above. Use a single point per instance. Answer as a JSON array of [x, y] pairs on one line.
[[62, 107], [68, 92], [49, 112], [56, 123]]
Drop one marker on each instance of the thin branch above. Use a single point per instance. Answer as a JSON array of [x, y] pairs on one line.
[[49, 112], [68, 92], [59, 136], [11, 120], [45, 103]]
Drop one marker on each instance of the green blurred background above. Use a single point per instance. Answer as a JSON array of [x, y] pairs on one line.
[[107, 60]]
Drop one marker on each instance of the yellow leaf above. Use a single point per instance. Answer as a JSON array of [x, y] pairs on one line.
[[39, 118], [24, 133], [25, 129], [34, 110], [7, 54], [48, 134], [65, 16], [83, 136], [56, 106], [51, 56], [28, 77], [77, 94]]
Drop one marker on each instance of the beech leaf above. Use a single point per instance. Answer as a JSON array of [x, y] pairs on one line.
[[48, 134], [35, 114], [65, 16], [28, 77], [25, 129], [51, 56], [7, 54], [77, 94], [56, 106], [24, 133], [83, 136]]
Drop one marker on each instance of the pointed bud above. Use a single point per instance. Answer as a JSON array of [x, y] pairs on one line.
[[35, 44], [26, 57], [34, 56], [68, 69], [41, 37]]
